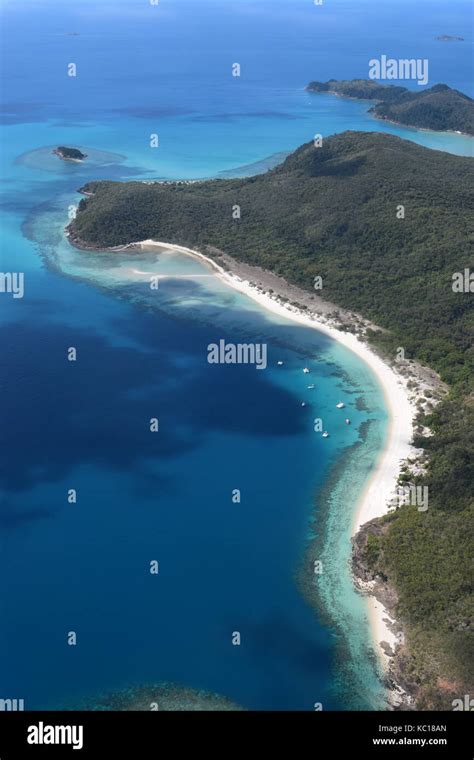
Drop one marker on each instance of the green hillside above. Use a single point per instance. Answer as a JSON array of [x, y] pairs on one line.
[[333, 212]]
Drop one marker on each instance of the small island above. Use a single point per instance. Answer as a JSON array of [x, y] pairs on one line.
[[69, 154], [450, 38], [439, 108]]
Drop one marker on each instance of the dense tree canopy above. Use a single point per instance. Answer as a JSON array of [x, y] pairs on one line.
[[439, 107]]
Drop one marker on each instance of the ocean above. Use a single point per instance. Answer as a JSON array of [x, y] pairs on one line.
[[224, 567]]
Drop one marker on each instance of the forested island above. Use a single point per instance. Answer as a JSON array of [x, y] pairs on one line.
[[69, 154], [440, 107], [386, 224]]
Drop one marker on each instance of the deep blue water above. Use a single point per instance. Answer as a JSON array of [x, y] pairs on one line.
[[84, 425]]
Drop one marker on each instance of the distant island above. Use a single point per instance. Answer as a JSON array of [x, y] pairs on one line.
[[450, 38], [69, 154], [439, 108], [335, 211]]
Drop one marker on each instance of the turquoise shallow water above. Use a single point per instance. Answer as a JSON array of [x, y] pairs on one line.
[[223, 567]]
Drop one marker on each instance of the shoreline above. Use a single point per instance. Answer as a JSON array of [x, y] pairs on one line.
[[401, 402], [373, 501], [402, 411]]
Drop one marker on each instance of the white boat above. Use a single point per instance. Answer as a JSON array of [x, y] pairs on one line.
[[325, 434], [306, 371], [348, 422], [340, 405], [280, 364], [311, 387]]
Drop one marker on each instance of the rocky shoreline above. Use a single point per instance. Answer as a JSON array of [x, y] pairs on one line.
[[402, 694]]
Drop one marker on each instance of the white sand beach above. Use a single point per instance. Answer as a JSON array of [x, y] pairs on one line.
[[375, 499]]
